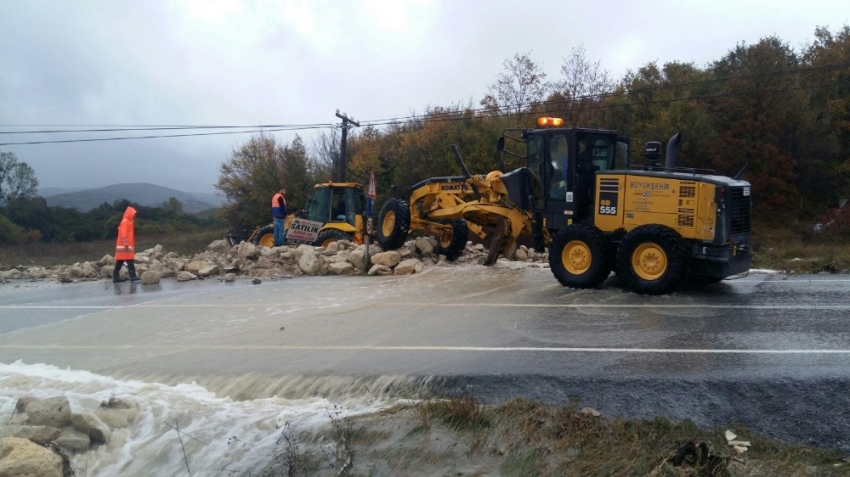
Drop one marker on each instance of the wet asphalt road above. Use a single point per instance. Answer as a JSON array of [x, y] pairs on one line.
[[768, 351]]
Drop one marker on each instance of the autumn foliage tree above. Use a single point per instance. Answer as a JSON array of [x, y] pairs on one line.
[[786, 110], [255, 171]]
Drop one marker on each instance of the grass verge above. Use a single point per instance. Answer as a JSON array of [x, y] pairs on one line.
[[52, 254], [798, 250], [520, 438]]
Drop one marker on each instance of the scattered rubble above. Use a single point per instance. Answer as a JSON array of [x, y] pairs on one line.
[[42, 432], [249, 261]]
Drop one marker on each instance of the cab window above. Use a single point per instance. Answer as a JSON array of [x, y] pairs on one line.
[[621, 155], [319, 205], [559, 158], [534, 149], [339, 208], [595, 153]]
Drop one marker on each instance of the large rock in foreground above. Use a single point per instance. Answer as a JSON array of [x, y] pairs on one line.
[[247, 250], [186, 276], [380, 270], [91, 425], [411, 265], [219, 246], [151, 278], [37, 434], [310, 264], [342, 268], [52, 412], [24, 458], [196, 266], [388, 259]]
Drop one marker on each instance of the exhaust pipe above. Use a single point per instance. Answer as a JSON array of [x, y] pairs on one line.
[[672, 145]]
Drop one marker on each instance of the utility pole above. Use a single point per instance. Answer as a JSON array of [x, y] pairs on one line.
[[347, 123]]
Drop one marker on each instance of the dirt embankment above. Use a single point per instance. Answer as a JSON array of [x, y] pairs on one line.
[[461, 437]]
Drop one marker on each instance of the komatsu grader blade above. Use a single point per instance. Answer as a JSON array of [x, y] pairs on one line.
[[497, 241]]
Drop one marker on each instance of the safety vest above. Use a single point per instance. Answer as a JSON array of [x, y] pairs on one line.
[[276, 210], [125, 245]]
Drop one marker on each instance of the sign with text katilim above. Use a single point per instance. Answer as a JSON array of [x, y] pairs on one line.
[[303, 231]]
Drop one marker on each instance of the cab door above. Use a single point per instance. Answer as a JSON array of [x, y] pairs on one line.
[[558, 178]]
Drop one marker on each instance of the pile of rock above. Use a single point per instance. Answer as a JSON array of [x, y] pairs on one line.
[[258, 262], [42, 432]]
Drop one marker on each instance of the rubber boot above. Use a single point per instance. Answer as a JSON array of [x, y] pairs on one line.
[[132, 269], [116, 275]]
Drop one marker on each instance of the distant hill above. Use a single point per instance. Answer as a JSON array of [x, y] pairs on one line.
[[48, 191], [149, 195]]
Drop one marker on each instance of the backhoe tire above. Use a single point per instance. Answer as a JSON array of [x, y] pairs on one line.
[[265, 236], [460, 233], [653, 260], [393, 224], [579, 256], [330, 235]]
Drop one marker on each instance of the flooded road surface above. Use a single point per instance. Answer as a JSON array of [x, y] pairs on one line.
[[766, 350]]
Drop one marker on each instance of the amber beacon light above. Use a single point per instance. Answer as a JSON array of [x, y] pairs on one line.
[[550, 122]]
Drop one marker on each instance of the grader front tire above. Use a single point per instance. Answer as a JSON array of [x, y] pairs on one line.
[[579, 256], [393, 224]]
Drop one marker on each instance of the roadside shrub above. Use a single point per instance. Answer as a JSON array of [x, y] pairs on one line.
[[11, 233]]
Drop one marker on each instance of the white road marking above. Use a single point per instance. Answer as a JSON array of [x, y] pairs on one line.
[[423, 348], [56, 307], [666, 306], [626, 306]]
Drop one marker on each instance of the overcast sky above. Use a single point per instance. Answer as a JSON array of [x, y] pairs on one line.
[[227, 62]]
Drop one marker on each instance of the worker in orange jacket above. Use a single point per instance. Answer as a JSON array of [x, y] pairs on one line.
[[125, 247]]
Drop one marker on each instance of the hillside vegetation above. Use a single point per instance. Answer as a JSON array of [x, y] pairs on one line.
[[149, 195]]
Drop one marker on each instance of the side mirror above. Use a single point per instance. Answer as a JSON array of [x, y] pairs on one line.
[[500, 143]]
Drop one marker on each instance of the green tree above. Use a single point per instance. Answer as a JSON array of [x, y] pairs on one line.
[[17, 179], [173, 206], [256, 171], [761, 113]]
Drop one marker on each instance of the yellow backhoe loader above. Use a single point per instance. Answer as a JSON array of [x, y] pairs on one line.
[[338, 206]]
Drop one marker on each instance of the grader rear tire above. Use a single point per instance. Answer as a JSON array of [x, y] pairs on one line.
[[579, 256], [393, 224], [653, 260], [453, 248], [265, 237]]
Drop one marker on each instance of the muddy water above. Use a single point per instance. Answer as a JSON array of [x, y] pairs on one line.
[[144, 441]]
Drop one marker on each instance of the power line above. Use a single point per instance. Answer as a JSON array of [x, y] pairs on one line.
[[449, 116], [162, 128], [150, 127], [64, 141]]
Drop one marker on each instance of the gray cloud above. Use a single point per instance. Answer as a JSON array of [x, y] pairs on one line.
[[223, 62]]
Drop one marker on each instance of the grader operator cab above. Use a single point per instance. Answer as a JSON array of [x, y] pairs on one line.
[[339, 206], [655, 226]]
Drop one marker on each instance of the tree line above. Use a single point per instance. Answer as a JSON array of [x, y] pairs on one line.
[[784, 110], [26, 217]]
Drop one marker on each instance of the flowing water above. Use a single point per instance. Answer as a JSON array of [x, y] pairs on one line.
[[221, 436]]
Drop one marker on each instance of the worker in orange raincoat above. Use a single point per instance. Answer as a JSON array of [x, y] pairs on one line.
[[125, 247]]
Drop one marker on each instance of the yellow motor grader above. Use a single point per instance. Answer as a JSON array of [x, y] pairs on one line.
[[449, 208], [657, 226]]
